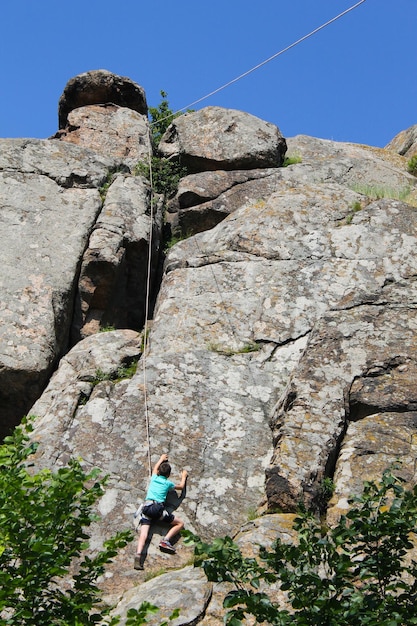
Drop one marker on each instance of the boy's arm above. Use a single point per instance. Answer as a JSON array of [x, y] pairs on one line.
[[183, 482], [162, 458]]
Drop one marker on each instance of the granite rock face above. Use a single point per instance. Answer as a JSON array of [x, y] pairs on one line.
[[74, 241], [45, 222], [282, 346]]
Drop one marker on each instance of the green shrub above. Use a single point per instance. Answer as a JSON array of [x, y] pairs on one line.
[[291, 160], [160, 118], [166, 173], [356, 206], [359, 572], [412, 165], [122, 372], [44, 517]]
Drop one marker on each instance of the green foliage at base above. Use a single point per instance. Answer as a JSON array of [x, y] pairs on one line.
[[44, 517], [360, 572]]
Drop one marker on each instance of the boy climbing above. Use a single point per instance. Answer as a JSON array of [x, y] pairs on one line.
[[154, 508]]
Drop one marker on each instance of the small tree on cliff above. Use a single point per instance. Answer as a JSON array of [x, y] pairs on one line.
[[358, 573], [166, 173]]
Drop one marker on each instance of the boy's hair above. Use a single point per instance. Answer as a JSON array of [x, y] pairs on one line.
[[164, 469]]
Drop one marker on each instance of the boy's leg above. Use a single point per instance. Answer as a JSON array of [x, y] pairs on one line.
[[143, 535], [175, 527]]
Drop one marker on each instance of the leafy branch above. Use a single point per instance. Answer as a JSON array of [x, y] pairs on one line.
[[362, 571]]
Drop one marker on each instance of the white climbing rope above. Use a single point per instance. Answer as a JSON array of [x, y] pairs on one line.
[[147, 303], [268, 60]]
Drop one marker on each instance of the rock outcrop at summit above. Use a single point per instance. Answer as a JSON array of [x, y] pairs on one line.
[[100, 87], [282, 348], [108, 114]]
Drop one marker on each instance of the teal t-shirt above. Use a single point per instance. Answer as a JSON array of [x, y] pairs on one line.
[[158, 488]]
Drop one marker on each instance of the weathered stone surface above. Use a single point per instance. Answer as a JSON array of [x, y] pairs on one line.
[[112, 286], [371, 446], [223, 139], [67, 165], [405, 143], [44, 230], [186, 589], [198, 188], [201, 217], [78, 415], [110, 130], [263, 531], [390, 388], [313, 414], [95, 360], [100, 87], [49, 193], [370, 171]]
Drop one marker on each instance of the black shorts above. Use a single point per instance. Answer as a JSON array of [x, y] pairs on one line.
[[155, 512]]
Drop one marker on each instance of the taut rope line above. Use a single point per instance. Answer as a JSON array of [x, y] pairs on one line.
[[271, 58], [147, 300]]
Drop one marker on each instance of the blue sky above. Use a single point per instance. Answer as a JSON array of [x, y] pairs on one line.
[[353, 81]]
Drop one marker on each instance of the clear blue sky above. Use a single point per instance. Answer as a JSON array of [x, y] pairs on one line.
[[353, 81]]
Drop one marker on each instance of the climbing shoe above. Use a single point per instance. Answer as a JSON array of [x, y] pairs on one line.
[[138, 562], [165, 546]]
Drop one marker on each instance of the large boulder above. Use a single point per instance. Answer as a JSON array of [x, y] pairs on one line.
[[100, 87], [188, 584], [223, 139]]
